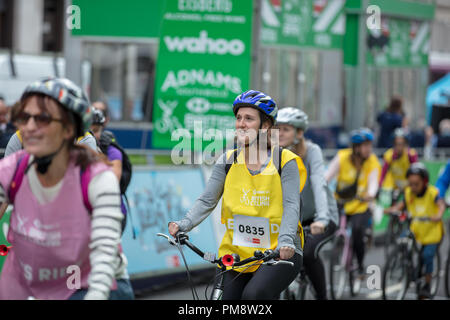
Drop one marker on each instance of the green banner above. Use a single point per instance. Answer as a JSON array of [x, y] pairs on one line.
[[114, 18], [303, 23], [406, 43], [203, 64]]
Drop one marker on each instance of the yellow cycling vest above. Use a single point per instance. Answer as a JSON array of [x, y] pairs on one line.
[[425, 232], [253, 205], [86, 134], [347, 175], [396, 176]]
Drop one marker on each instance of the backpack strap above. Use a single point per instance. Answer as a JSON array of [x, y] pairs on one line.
[[277, 162], [412, 156], [18, 177], [227, 162], [85, 178]]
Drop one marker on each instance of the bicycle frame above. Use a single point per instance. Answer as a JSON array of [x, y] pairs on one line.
[[345, 231]]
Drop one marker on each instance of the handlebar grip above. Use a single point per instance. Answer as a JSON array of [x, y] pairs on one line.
[[181, 237], [273, 254]]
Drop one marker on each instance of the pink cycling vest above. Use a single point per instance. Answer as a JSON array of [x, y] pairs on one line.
[[49, 241]]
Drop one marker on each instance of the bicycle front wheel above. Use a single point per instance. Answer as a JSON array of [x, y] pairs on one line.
[[396, 275], [435, 277], [338, 272], [354, 283], [391, 233]]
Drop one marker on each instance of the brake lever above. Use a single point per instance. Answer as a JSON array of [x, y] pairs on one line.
[[275, 262], [171, 241]]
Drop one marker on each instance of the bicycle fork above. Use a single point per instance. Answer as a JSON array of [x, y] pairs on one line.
[[218, 288]]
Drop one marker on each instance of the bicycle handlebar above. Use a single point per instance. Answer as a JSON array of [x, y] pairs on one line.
[[399, 213], [344, 201], [268, 257]]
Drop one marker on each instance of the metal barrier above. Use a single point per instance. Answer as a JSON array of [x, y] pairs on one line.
[[437, 154]]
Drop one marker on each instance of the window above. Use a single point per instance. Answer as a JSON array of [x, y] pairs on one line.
[[6, 22], [53, 26], [123, 75]]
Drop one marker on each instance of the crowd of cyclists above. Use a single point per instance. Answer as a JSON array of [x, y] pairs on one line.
[[63, 175]]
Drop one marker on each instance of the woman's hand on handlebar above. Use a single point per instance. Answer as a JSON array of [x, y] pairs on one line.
[[317, 227], [286, 253], [173, 229]]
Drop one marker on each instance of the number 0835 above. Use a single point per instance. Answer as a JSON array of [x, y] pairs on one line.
[[251, 230]]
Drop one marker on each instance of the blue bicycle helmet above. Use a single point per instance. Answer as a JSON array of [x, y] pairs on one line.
[[367, 133], [258, 100], [357, 137], [361, 135]]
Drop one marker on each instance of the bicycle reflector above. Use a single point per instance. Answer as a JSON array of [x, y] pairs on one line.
[[4, 250], [228, 260]]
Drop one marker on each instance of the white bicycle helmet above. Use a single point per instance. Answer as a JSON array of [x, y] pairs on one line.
[[293, 116]]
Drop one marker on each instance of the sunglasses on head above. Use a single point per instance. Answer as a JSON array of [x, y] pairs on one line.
[[41, 120]]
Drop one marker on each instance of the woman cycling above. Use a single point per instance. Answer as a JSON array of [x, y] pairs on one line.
[[397, 161], [357, 170], [317, 206], [60, 249], [257, 196]]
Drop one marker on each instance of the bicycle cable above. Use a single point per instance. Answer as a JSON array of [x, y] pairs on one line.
[[191, 283]]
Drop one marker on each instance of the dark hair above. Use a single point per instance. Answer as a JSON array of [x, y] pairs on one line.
[[395, 106], [265, 118], [2, 97]]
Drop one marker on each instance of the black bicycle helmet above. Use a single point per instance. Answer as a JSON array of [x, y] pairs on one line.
[[418, 168]]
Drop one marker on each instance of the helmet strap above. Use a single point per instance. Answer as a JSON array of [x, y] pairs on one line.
[[44, 162]]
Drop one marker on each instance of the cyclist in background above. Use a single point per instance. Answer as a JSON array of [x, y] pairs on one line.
[[52, 232], [357, 172], [257, 197], [423, 201], [317, 205], [396, 162], [114, 155]]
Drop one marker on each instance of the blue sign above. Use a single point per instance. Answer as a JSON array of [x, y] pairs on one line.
[[157, 197]]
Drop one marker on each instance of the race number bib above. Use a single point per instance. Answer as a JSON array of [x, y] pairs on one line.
[[251, 231]]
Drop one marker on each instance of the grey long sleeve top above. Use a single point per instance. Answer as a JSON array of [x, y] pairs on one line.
[[317, 200], [290, 182]]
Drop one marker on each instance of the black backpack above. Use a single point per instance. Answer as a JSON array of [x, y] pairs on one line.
[[106, 139]]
